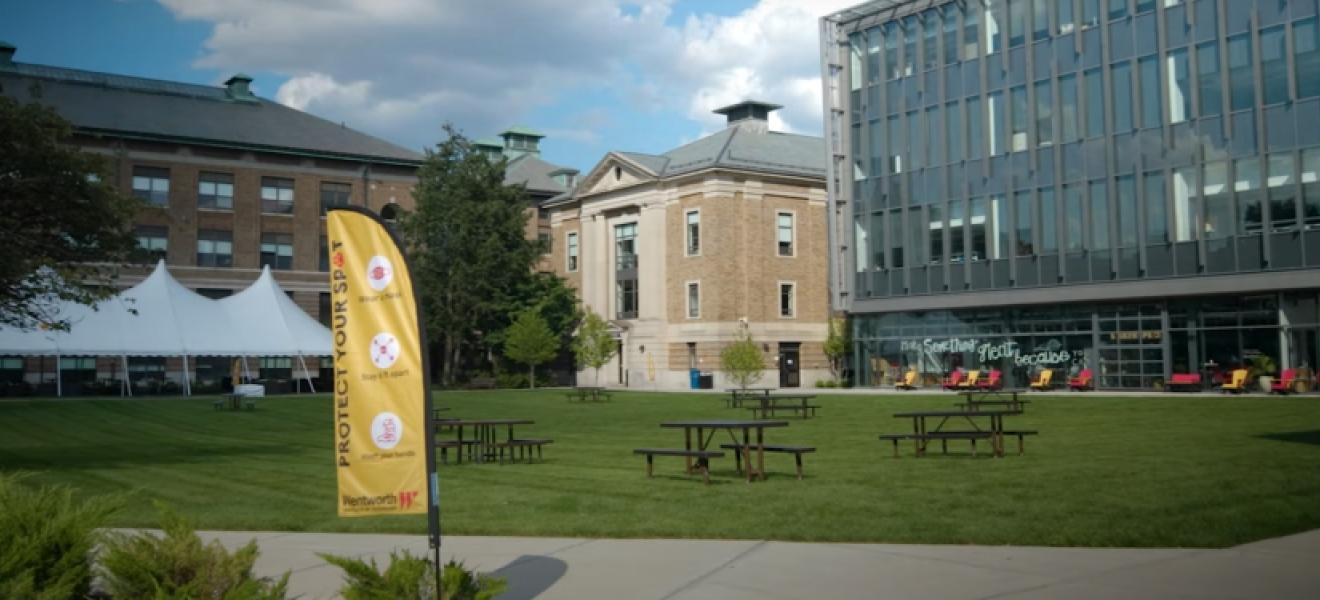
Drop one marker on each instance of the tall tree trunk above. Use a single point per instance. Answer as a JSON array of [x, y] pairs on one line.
[[449, 361], [532, 382]]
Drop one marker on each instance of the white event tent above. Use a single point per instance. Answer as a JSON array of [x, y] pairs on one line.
[[161, 317]]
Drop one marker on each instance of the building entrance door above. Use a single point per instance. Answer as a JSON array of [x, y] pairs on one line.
[[789, 369]]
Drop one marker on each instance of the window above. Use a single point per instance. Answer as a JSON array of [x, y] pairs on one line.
[[1095, 103], [1186, 205], [276, 195], [333, 195], [1117, 9], [276, 367], [1208, 79], [1017, 22], [1148, 77], [1246, 185], [787, 301], [1274, 65], [1049, 238], [572, 253], [1067, 16], [693, 300], [1018, 119], [1179, 86], [1099, 216], [995, 101], [934, 149], [895, 148], [1121, 77], [1044, 114], [1311, 188], [626, 297], [323, 257], [975, 141], [998, 227], [1073, 216], [1026, 245], [910, 32], [1157, 221], [152, 241], [994, 35], [1283, 199], [215, 191], [1040, 19], [1218, 201], [892, 34], [935, 220], [1306, 56], [215, 248], [1071, 117], [693, 233], [277, 250], [978, 241], [546, 242], [1125, 190], [930, 40], [916, 236], [784, 227], [625, 270], [1241, 81], [953, 133], [971, 32], [950, 34], [957, 246], [1149, 5], [152, 184], [1090, 13]]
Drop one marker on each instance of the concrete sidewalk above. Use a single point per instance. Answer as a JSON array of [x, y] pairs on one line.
[[555, 568]]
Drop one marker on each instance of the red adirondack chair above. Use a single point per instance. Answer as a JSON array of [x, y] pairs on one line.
[[1082, 382], [951, 382], [993, 382], [1286, 382]]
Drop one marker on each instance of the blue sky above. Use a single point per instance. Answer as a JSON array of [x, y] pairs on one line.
[[594, 75]]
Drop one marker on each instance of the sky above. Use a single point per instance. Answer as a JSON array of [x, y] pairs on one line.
[[592, 75]]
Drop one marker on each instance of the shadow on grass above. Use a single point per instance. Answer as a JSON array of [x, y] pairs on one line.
[[1301, 437], [91, 456], [529, 575]]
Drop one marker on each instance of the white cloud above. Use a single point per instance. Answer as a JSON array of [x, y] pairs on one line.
[[400, 68]]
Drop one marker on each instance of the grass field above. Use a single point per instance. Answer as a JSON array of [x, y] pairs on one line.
[[1169, 471]]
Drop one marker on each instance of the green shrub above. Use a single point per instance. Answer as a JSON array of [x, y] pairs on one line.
[[179, 566], [411, 577], [46, 539]]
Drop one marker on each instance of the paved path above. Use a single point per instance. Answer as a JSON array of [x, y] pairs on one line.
[[562, 568]]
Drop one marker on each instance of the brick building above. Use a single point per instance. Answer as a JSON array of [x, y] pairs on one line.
[[680, 250], [233, 182]]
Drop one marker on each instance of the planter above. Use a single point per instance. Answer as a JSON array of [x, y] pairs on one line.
[[1265, 382]]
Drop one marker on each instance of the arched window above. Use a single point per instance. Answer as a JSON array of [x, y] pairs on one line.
[[390, 214]]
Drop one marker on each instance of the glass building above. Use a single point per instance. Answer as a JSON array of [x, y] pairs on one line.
[[1129, 186]]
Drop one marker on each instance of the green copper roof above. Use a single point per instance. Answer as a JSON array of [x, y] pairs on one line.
[[521, 130]]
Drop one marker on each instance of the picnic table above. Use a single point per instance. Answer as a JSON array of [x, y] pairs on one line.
[[922, 435], [702, 426], [586, 393], [236, 401], [485, 444], [737, 395], [769, 404], [974, 400]]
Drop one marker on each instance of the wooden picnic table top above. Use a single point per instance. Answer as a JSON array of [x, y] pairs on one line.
[[737, 390], [955, 413], [799, 396], [724, 424], [479, 422]]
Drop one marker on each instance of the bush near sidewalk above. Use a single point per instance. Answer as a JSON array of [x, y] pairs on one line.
[[177, 565], [409, 577], [47, 539]]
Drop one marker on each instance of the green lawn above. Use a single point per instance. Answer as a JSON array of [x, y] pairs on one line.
[[1174, 471]]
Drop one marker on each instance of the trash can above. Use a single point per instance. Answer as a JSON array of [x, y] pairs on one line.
[[707, 381], [694, 378]]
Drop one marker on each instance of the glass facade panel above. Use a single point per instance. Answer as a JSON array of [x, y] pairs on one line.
[[1306, 58], [1208, 79], [1026, 245], [1095, 102], [1274, 65], [953, 132], [1186, 204], [1049, 235], [1179, 88], [1070, 116], [1246, 186], [1020, 116], [1282, 183], [975, 131], [1148, 73], [1099, 216], [1125, 189], [1218, 202], [1311, 188], [1241, 80], [1155, 201], [1121, 80], [1044, 114], [1074, 215]]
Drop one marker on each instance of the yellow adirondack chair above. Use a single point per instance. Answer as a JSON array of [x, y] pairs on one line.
[[1237, 384], [909, 381], [1042, 383], [970, 382]]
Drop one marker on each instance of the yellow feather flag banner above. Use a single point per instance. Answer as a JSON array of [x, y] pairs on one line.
[[382, 423]]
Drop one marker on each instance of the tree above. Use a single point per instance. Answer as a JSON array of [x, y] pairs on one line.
[[549, 296], [837, 344], [742, 361], [66, 226], [467, 242], [529, 341], [594, 346]]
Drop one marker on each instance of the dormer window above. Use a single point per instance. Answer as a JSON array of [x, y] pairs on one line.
[[618, 173]]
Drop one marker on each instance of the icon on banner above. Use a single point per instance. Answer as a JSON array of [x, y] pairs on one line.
[[384, 350], [386, 430], [379, 273]]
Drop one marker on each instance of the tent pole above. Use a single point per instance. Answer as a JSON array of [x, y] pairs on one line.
[[59, 385], [306, 375], [128, 383], [187, 381]]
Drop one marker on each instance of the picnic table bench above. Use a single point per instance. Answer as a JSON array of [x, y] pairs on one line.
[[768, 405], [974, 400], [703, 459], [587, 394], [234, 401], [737, 395], [944, 437], [485, 444], [796, 451], [922, 435]]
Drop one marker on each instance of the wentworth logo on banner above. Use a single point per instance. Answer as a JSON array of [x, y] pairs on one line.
[[381, 425]]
